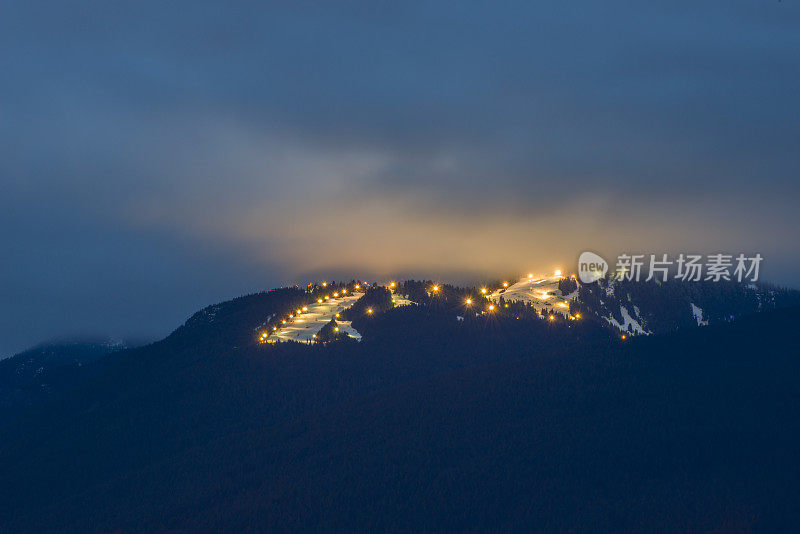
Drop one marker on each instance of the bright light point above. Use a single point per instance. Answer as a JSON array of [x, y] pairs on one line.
[[491, 307], [392, 284], [436, 288], [624, 336], [290, 316], [562, 305], [558, 272], [358, 286], [344, 291], [319, 301], [369, 310], [552, 317], [335, 328], [505, 284], [324, 284], [327, 297], [283, 321], [336, 294], [305, 308], [274, 328], [577, 315], [483, 290], [337, 316], [530, 275], [468, 301]]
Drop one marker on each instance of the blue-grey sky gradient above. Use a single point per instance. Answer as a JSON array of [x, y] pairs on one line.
[[157, 157]]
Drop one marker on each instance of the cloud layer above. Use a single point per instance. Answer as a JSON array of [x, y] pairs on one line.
[[155, 158]]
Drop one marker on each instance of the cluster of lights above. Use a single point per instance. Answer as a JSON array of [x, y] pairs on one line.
[[264, 335], [557, 272], [434, 289]]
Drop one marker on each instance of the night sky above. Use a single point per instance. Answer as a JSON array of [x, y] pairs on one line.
[[158, 157]]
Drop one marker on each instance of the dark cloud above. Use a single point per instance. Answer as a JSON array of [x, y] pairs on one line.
[[157, 157]]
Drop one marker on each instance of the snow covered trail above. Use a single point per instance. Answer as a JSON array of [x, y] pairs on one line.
[[399, 300], [305, 325], [540, 291], [347, 328]]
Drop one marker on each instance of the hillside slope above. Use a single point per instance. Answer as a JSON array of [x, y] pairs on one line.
[[461, 425], [47, 371]]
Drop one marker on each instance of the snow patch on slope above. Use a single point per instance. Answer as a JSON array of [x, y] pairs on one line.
[[627, 321], [697, 311]]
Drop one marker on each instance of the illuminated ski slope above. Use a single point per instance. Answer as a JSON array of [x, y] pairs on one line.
[[304, 326], [540, 291], [399, 300]]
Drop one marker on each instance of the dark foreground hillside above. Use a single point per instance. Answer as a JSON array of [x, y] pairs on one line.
[[459, 427], [47, 371]]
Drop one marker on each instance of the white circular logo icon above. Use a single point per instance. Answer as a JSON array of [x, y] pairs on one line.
[[591, 267]]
